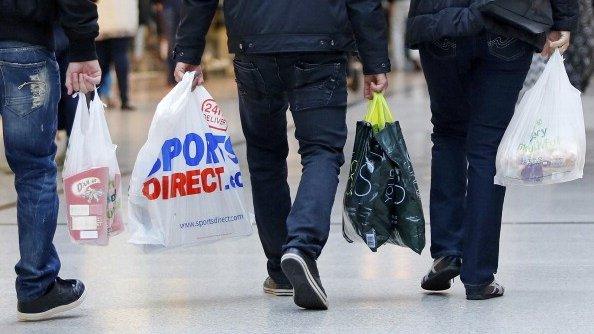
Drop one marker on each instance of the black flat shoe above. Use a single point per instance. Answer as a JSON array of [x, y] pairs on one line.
[[302, 272], [63, 296], [482, 292], [443, 271]]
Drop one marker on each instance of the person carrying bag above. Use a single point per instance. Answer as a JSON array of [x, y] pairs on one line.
[[475, 55]]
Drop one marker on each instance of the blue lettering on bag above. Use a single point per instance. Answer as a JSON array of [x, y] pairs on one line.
[[194, 150]]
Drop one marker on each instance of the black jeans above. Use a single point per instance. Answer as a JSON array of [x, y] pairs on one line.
[[115, 50], [473, 85], [314, 86]]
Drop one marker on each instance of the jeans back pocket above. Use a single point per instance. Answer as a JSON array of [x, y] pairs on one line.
[[315, 84], [443, 48], [26, 87], [506, 48]]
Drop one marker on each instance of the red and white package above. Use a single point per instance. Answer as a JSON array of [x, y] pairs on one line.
[[86, 198]]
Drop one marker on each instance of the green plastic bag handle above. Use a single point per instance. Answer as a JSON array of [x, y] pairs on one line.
[[378, 112]]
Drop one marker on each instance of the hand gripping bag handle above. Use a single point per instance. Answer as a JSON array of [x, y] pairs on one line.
[[378, 112]]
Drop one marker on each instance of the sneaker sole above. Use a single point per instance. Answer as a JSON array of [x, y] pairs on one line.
[[307, 293], [279, 292], [482, 297], [442, 281], [53, 312]]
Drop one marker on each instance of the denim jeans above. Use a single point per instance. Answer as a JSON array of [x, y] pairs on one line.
[[314, 87], [473, 85], [29, 95]]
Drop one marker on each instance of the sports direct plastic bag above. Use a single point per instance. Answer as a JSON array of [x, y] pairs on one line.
[[186, 186], [545, 142], [91, 177]]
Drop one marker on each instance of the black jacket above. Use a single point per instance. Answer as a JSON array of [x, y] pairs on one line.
[[273, 26], [431, 20], [32, 21]]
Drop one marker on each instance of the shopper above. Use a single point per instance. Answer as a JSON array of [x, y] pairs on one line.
[[118, 25], [292, 54], [475, 67], [29, 80]]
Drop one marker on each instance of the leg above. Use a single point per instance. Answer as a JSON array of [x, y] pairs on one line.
[[32, 91], [318, 103], [497, 79], [104, 57], [450, 111], [263, 117], [122, 67]]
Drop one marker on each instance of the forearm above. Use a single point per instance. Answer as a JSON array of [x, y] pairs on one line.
[[196, 17], [369, 25]]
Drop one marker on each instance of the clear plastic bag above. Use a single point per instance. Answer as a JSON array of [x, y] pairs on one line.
[[89, 169], [186, 187], [545, 143]]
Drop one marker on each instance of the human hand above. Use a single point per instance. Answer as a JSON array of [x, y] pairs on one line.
[[375, 83], [83, 76], [556, 40], [182, 68]]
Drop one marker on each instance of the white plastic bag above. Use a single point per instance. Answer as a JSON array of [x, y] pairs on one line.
[[186, 186], [89, 169], [545, 142]]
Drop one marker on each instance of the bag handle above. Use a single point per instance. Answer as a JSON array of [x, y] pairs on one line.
[[378, 112]]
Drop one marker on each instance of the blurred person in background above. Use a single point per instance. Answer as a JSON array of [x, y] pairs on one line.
[[398, 18], [67, 104], [292, 54], [474, 67], [118, 25], [170, 18], [30, 82], [144, 19]]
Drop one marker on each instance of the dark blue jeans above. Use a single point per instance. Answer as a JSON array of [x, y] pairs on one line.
[[29, 95], [314, 86], [115, 51], [473, 85]]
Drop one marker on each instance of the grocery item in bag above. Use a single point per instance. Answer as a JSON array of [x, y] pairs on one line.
[[90, 175], [382, 202], [187, 186], [86, 198], [545, 142]]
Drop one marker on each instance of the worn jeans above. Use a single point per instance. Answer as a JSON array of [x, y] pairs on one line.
[[29, 95], [314, 87], [473, 85]]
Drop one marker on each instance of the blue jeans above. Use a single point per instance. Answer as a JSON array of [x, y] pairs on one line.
[[29, 95], [473, 86], [314, 86], [115, 50]]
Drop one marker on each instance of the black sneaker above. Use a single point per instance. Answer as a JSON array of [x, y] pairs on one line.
[[482, 292], [63, 296], [442, 272], [273, 288], [127, 107], [303, 274]]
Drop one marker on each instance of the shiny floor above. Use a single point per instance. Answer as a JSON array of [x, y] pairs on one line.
[[546, 260]]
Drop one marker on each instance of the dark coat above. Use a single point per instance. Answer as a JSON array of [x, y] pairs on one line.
[[32, 21], [260, 27], [430, 20]]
